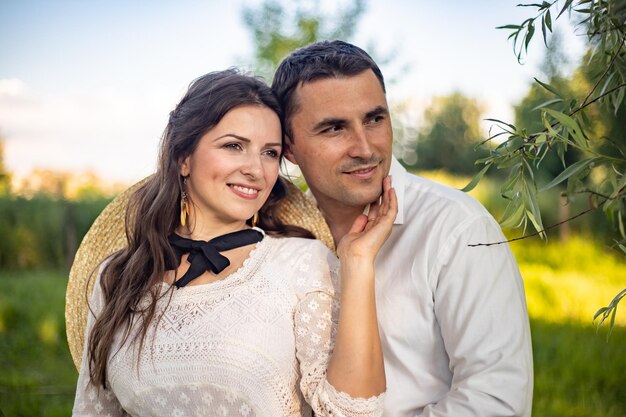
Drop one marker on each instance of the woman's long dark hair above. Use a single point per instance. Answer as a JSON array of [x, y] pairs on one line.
[[153, 211]]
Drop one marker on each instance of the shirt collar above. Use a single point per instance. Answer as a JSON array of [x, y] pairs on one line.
[[398, 181]]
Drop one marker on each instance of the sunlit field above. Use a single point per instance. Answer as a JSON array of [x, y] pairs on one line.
[[569, 281], [578, 372]]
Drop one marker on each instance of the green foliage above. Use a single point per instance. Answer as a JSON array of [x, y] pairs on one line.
[[542, 95], [38, 377], [5, 176], [567, 122], [449, 137], [43, 232], [553, 206], [278, 28], [568, 126]]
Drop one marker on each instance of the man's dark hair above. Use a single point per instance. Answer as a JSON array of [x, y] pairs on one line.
[[319, 60]]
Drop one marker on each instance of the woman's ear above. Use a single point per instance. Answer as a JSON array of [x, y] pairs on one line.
[[185, 169]]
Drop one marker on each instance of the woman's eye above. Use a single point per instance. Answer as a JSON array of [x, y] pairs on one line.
[[233, 146], [272, 153]]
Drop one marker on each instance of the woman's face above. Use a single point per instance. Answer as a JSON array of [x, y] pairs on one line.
[[234, 167]]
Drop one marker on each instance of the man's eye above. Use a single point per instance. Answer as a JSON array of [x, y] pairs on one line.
[[376, 119], [333, 129]]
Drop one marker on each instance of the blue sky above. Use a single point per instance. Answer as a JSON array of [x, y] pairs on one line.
[[88, 85]]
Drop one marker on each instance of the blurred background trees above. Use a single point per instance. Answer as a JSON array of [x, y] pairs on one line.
[[449, 136], [278, 28], [43, 219], [5, 176]]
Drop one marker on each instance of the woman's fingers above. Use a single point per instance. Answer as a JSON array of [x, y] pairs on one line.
[[368, 233], [359, 224], [385, 213], [380, 207], [387, 198]]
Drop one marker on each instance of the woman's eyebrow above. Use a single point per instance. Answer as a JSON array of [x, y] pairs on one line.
[[234, 136], [244, 139]]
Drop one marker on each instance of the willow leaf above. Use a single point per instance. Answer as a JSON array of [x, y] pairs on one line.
[[573, 169], [474, 182]]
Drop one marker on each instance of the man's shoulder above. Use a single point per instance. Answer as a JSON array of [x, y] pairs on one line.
[[427, 197]]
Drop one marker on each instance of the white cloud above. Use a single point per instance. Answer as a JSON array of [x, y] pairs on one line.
[[110, 131], [11, 87]]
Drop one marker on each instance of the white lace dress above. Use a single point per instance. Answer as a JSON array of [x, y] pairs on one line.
[[256, 343]]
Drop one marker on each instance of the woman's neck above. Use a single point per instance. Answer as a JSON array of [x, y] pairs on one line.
[[204, 230]]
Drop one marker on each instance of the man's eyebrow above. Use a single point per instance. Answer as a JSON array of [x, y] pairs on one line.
[[379, 110], [330, 121]]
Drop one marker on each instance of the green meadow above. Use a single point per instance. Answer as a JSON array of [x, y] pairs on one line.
[[578, 372]]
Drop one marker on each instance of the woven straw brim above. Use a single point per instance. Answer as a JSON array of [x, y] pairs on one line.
[[107, 235]]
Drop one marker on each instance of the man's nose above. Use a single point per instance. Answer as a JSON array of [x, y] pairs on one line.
[[360, 146]]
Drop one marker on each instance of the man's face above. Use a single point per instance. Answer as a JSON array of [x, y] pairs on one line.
[[342, 139]]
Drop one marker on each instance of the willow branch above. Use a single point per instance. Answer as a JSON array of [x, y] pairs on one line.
[[598, 98], [539, 232]]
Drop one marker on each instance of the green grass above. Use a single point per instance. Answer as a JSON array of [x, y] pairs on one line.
[[38, 377], [569, 281], [577, 371]]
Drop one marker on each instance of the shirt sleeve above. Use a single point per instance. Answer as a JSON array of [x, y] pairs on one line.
[[316, 319], [92, 400], [481, 309]]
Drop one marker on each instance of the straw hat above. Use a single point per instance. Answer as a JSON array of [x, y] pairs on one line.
[[107, 235]]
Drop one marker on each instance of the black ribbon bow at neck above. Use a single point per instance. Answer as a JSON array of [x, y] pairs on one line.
[[204, 256]]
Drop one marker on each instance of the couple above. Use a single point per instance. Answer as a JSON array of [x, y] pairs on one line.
[[249, 323]]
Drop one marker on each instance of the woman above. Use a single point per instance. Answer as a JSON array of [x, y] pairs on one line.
[[204, 313]]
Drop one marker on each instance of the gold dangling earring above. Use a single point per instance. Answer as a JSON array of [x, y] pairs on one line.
[[184, 205], [255, 219]]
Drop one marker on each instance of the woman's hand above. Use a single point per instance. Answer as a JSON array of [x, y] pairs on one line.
[[368, 233], [357, 365]]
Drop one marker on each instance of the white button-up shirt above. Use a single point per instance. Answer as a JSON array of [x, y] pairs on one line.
[[452, 317]]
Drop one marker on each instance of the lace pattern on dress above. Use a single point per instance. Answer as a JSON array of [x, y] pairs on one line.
[[254, 344]]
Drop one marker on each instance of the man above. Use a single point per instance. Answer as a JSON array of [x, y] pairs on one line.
[[452, 317]]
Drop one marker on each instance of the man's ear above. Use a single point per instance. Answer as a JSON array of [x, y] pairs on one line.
[[288, 152]]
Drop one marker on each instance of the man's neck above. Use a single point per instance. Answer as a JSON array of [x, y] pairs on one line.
[[339, 218]]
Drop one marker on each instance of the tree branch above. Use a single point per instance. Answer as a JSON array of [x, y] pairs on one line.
[[539, 232], [606, 93], [535, 233]]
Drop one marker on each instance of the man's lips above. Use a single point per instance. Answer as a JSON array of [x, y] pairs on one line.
[[362, 171]]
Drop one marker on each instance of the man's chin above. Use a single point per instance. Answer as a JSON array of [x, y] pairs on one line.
[[362, 199]]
